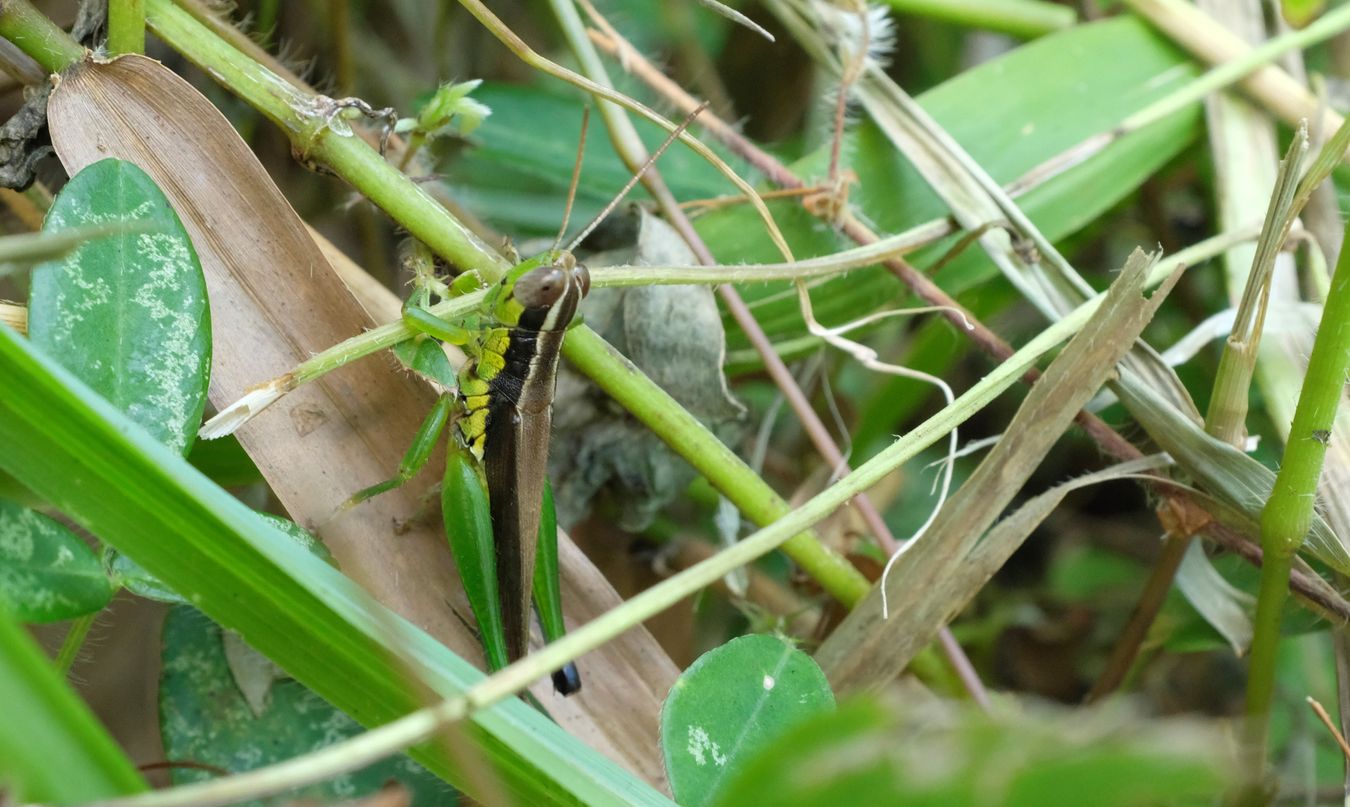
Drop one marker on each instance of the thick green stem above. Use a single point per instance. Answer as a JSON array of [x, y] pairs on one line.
[[38, 36], [726, 471], [126, 26], [1288, 515], [319, 132], [1021, 18], [1271, 595]]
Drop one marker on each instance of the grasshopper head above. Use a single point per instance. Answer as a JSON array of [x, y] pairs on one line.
[[543, 294]]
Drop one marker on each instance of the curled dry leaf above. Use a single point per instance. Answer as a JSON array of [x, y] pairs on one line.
[[275, 302], [929, 584]]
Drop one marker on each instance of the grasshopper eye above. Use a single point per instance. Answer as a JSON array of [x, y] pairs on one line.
[[583, 278], [541, 287]]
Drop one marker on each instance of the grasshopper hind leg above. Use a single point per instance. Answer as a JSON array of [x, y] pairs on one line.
[[548, 591]]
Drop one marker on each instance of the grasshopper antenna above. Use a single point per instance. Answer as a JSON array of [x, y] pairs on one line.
[[656, 155], [576, 178]]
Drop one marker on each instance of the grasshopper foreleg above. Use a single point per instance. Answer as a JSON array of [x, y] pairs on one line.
[[415, 458]]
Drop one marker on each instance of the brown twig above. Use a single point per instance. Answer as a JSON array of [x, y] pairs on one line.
[[1131, 638], [1322, 715]]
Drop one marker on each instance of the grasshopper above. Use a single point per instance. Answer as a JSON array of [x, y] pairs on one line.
[[496, 502], [495, 497]]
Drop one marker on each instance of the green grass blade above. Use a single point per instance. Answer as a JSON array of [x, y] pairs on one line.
[[142, 498], [51, 748]]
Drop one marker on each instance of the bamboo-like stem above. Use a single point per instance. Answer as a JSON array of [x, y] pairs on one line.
[[1226, 418], [1026, 19], [126, 26], [38, 36], [654, 407], [1287, 516], [1275, 90], [318, 132]]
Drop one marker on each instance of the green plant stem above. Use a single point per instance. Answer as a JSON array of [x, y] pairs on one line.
[[38, 36], [1286, 518], [316, 128], [1226, 417], [1026, 19], [70, 646], [126, 26], [726, 471]]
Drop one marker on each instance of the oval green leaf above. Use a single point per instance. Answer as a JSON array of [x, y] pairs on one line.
[[205, 717], [729, 704], [46, 572], [127, 313]]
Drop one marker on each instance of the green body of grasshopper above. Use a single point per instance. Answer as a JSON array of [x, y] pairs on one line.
[[498, 509]]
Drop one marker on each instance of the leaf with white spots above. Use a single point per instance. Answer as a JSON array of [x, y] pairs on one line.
[[729, 704], [205, 717], [127, 313], [46, 572]]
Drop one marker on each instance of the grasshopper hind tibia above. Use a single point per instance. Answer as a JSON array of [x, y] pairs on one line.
[[567, 681]]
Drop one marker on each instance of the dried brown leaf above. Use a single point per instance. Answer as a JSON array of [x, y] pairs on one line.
[[927, 586]]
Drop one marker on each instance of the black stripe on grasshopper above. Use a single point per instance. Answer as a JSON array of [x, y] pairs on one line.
[[495, 498], [536, 305]]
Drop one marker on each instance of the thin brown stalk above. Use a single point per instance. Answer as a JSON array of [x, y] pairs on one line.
[[1321, 712], [1131, 638]]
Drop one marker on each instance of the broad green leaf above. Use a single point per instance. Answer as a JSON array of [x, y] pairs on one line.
[[46, 572], [867, 753], [205, 717], [225, 462], [729, 704], [115, 479], [1033, 103], [127, 313], [52, 748]]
